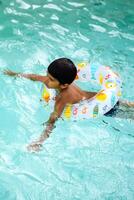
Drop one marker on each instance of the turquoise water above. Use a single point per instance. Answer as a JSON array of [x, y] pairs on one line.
[[90, 159]]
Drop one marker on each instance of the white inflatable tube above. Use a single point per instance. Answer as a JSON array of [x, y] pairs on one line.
[[102, 102]]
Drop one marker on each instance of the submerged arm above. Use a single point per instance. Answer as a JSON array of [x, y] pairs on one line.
[[35, 146], [127, 103]]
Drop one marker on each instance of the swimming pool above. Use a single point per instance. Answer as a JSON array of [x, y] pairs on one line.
[[91, 159]]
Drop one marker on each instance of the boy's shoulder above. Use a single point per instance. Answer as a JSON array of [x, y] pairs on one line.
[[63, 95], [70, 94]]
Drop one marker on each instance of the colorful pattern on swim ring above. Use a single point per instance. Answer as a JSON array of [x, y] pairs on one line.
[[102, 102]]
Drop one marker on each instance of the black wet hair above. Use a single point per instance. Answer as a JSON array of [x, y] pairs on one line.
[[63, 69]]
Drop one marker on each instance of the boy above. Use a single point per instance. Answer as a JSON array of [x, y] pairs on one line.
[[60, 76]]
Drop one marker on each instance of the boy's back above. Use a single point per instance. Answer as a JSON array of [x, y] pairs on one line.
[[73, 94]]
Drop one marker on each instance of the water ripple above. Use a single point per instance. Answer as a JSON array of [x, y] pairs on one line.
[[98, 28], [74, 4], [23, 5], [104, 21], [53, 6]]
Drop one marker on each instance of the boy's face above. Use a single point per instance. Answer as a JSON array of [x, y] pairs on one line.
[[52, 82]]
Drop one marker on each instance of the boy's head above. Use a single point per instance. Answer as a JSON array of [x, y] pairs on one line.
[[63, 70]]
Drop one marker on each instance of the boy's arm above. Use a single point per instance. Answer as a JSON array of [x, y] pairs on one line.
[[33, 77], [59, 107], [36, 145]]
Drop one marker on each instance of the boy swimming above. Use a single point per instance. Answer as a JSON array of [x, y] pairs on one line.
[[60, 76]]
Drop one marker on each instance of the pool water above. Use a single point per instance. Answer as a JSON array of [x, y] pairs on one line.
[[90, 159]]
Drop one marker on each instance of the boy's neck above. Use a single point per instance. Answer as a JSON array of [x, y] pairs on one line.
[[59, 90]]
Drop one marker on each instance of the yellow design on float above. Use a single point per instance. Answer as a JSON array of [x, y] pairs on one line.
[[119, 93], [101, 96], [77, 77], [100, 78], [68, 111], [46, 95], [110, 85], [81, 65]]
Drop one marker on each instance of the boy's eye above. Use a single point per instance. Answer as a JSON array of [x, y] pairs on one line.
[[51, 79]]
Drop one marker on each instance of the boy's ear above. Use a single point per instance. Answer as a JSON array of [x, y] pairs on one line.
[[63, 86]]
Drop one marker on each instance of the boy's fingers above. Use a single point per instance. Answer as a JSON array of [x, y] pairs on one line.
[[34, 147], [7, 71]]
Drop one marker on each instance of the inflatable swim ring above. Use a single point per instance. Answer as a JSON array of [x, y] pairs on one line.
[[98, 105]]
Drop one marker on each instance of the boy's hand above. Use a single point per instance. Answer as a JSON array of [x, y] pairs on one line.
[[10, 73], [37, 145], [34, 146]]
